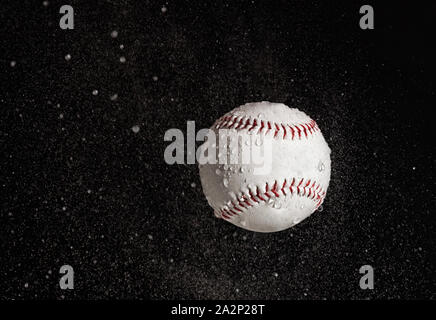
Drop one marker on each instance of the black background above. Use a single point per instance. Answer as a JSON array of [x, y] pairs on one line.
[[144, 230]]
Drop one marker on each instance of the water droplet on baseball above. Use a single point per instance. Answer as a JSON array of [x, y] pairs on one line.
[[277, 205], [259, 141], [225, 182], [218, 171], [260, 115], [321, 166], [296, 221], [270, 202], [302, 207], [241, 170], [226, 167]]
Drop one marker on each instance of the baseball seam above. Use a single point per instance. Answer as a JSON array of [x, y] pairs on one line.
[[280, 130], [301, 187]]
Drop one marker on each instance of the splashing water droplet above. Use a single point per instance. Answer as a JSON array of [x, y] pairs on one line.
[[135, 129]]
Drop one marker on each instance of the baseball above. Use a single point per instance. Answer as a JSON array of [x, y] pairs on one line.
[[287, 187]]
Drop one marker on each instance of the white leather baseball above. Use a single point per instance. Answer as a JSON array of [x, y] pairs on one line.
[[298, 180]]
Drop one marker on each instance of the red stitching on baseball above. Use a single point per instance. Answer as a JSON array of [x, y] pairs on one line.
[[280, 129], [305, 188]]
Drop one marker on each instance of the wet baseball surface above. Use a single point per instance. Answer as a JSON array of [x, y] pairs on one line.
[[84, 182]]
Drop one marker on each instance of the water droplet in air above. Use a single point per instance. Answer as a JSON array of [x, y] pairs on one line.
[[95, 92], [226, 167], [68, 57], [114, 34], [114, 97], [320, 208], [135, 129], [122, 59], [13, 63], [163, 9], [193, 185]]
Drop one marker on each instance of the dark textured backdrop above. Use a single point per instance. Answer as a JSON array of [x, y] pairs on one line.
[[79, 187]]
